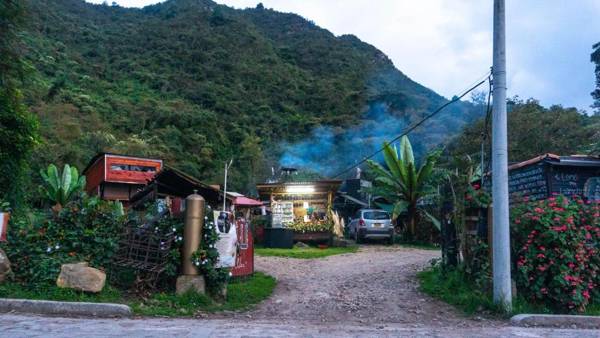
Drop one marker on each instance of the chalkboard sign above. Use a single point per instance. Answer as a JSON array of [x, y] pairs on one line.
[[528, 181], [580, 181]]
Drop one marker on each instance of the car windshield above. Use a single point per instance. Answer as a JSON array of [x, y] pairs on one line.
[[376, 215]]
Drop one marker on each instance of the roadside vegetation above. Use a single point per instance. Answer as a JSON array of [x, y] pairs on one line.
[[454, 287], [242, 294], [305, 253]]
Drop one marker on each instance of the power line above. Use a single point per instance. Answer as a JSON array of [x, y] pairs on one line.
[[419, 123]]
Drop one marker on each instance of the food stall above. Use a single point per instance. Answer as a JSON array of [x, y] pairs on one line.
[[300, 211]]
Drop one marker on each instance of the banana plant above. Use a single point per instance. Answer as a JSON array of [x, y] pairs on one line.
[[61, 187], [403, 182]]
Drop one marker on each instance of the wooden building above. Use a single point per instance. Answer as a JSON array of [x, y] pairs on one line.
[[298, 201], [550, 174], [119, 177]]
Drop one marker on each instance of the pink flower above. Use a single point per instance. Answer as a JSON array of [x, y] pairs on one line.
[[544, 290], [541, 255], [539, 210], [586, 294]]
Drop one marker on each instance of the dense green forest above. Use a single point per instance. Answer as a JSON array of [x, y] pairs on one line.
[[532, 130], [195, 83]]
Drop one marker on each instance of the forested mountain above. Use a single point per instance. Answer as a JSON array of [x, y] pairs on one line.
[[195, 83]]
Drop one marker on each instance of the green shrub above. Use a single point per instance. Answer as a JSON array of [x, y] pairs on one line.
[[86, 229], [556, 251]]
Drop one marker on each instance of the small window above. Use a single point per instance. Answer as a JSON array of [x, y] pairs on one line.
[[142, 168], [119, 167]]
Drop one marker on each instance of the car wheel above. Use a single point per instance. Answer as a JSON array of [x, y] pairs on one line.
[[357, 238]]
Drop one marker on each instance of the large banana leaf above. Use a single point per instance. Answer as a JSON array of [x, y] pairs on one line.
[[391, 160], [436, 222], [407, 155]]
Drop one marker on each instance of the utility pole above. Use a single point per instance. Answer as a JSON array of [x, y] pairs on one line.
[[227, 165], [501, 238]]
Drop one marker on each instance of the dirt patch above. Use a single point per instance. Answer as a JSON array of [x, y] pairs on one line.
[[375, 285]]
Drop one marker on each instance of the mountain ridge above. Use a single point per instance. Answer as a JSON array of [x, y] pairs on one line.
[[195, 83]]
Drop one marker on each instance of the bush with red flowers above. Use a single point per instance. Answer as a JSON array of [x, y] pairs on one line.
[[556, 251]]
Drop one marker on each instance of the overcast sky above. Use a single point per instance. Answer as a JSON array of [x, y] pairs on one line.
[[447, 44]]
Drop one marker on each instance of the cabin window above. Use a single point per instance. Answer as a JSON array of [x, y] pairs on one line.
[[118, 167], [138, 168]]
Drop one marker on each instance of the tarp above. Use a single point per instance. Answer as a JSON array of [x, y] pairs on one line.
[[247, 202]]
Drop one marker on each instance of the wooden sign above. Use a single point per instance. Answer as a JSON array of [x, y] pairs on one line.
[[528, 181], [571, 181], [4, 217]]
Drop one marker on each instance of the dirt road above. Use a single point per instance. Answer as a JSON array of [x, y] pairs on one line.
[[375, 285]]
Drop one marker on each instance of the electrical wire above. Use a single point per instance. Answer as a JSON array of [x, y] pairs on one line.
[[485, 134], [419, 123]]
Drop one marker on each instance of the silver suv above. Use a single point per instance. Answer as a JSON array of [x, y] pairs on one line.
[[371, 223]]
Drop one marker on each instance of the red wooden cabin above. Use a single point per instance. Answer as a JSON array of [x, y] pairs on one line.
[[119, 177]]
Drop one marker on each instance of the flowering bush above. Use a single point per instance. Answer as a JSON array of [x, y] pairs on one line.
[[205, 258], [86, 229], [476, 197], [316, 226], [556, 251]]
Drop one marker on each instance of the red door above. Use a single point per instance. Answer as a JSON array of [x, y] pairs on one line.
[[244, 261]]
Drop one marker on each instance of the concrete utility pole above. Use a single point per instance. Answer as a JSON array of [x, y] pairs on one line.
[[227, 165], [501, 239]]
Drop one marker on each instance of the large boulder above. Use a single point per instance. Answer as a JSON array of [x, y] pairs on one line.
[[80, 276], [4, 266]]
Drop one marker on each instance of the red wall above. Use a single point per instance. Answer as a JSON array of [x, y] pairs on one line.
[[94, 176], [127, 176]]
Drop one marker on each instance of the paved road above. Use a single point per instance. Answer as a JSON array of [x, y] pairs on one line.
[[12, 325]]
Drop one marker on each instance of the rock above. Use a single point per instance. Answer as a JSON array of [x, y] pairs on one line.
[[301, 245], [4, 266], [80, 276], [340, 242], [188, 282]]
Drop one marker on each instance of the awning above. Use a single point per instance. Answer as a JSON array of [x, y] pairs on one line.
[[246, 202]]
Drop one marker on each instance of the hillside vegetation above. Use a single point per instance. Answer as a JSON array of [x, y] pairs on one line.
[[195, 83]]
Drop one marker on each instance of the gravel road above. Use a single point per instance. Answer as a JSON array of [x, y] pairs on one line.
[[375, 285]]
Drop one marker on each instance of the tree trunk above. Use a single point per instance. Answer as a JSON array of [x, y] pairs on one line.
[[412, 222]]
